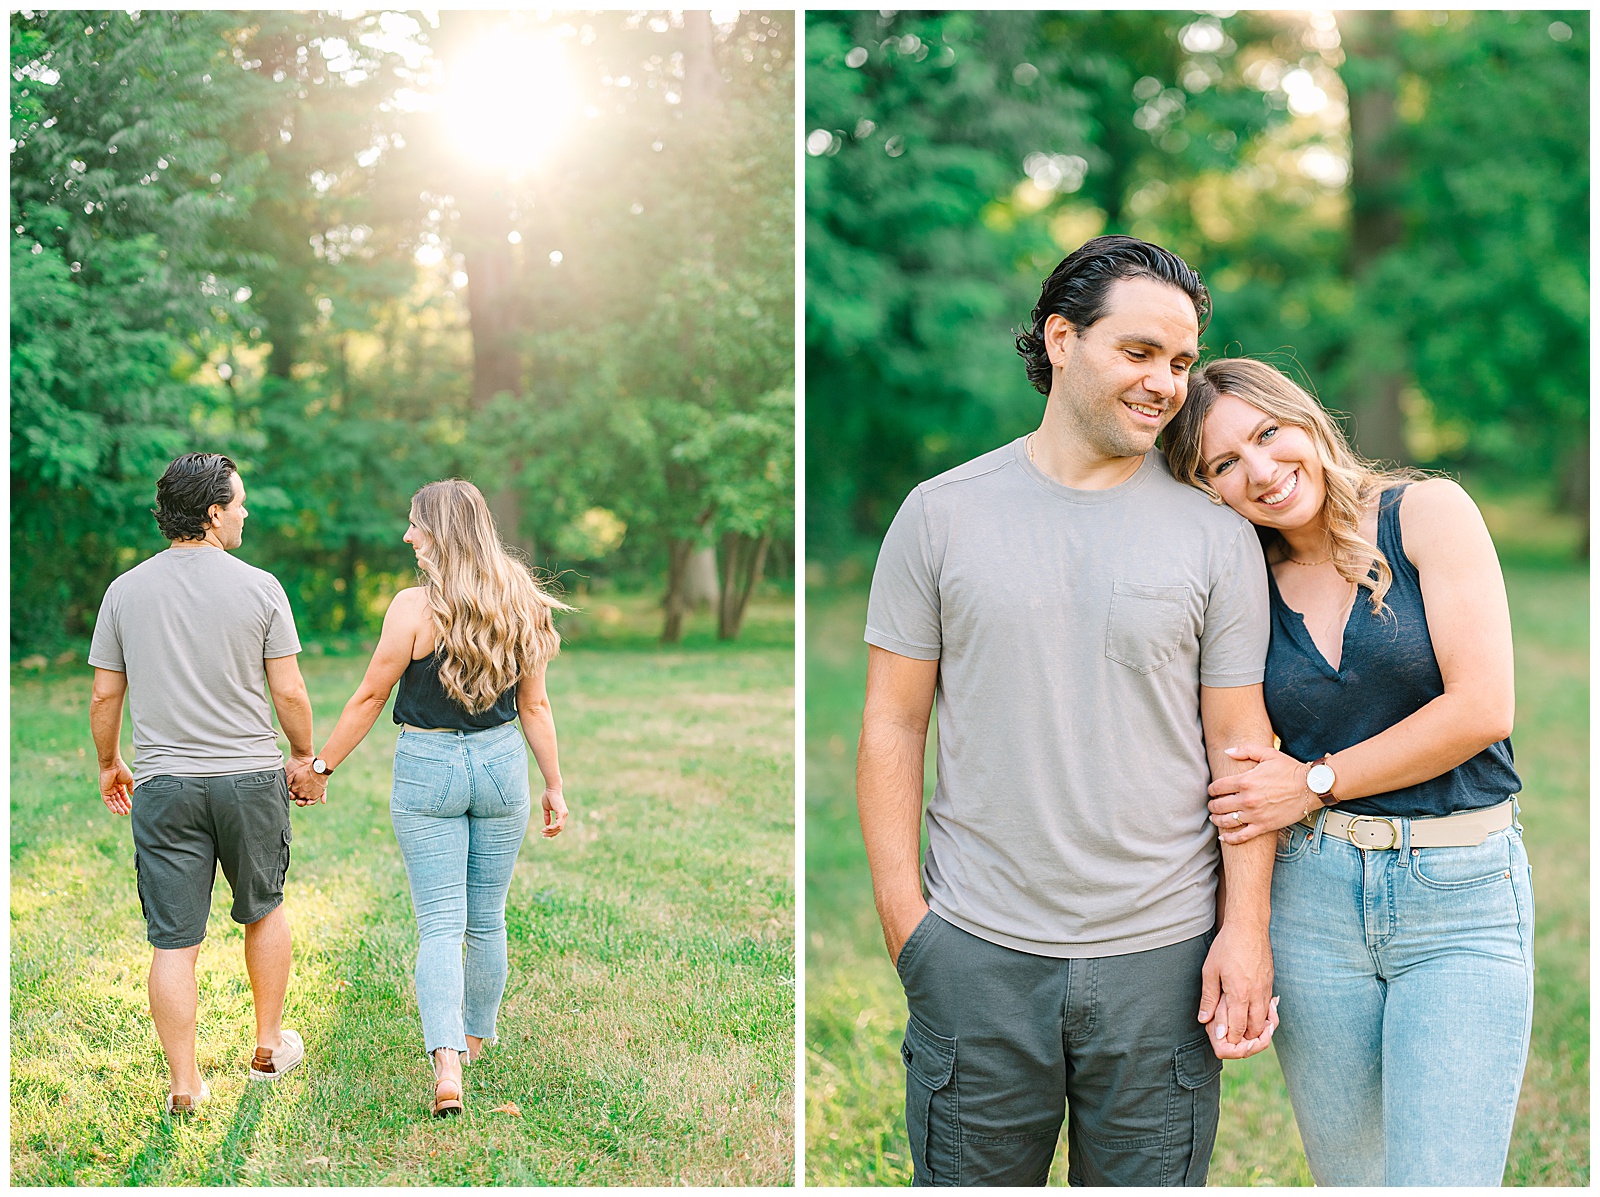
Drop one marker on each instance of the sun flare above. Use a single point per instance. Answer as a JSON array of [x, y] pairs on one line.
[[510, 98]]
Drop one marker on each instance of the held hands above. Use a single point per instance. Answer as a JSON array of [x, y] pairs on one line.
[[1245, 1047], [1271, 795], [116, 788], [306, 787], [555, 812], [1234, 989]]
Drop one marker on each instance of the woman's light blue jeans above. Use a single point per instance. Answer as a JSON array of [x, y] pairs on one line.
[[460, 807], [1406, 979]]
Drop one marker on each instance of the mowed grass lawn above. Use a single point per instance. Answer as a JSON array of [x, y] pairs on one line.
[[855, 1008], [647, 1035]]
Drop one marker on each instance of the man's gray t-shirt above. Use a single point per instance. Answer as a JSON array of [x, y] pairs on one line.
[[191, 628], [1073, 630]]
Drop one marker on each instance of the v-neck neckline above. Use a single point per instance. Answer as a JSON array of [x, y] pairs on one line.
[[1309, 641]]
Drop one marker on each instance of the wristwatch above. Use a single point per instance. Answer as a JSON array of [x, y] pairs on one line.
[[1320, 780], [321, 767]]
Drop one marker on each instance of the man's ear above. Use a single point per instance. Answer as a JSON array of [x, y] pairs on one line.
[[1060, 339]]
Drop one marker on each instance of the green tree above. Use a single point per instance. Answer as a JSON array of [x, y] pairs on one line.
[[121, 178], [955, 158], [1486, 285]]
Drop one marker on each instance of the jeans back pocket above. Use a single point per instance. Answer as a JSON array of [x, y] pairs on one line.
[[509, 773], [421, 781]]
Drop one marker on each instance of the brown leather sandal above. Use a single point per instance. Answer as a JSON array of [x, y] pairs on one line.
[[446, 1098]]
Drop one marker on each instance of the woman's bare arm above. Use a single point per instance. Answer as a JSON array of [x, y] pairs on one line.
[[1469, 623], [406, 619], [539, 727]]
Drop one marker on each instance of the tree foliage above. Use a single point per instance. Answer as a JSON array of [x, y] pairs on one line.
[[233, 231], [956, 157]]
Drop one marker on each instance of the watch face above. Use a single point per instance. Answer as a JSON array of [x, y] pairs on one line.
[[319, 765], [1320, 780]]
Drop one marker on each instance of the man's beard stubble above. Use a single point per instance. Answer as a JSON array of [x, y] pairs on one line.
[[1098, 419]]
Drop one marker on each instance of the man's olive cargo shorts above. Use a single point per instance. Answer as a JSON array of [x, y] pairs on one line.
[[184, 826]]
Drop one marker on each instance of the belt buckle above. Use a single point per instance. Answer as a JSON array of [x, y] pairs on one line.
[[1359, 835]]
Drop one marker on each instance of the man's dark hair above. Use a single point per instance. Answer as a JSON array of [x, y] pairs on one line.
[[187, 490], [1076, 291]]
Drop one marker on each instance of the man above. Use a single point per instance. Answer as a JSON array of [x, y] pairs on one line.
[[192, 636], [1096, 634]]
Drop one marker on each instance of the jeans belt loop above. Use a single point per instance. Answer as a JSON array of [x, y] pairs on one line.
[[1405, 840], [1316, 832]]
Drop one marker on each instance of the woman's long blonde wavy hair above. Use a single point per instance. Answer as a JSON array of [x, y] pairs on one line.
[[1352, 483], [491, 619]]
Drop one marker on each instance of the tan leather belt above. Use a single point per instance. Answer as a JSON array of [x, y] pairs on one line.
[[1464, 829], [408, 727]]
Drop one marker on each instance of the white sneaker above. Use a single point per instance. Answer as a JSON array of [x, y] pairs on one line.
[[187, 1103], [270, 1065]]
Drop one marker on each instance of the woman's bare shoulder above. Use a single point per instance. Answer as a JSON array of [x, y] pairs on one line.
[[1439, 520], [1437, 499], [408, 607]]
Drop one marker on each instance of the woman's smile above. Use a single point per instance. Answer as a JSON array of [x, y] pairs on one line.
[[1266, 470]]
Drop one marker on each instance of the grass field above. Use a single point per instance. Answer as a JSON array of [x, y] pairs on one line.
[[855, 1009], [647, 1035]]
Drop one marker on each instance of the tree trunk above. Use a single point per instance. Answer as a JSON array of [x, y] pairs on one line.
[[483, 198], [280, 314], [1374, 373], [352, 606], [1575, 491], [700, 589], [702, 81], [742, 560], [672, 603]]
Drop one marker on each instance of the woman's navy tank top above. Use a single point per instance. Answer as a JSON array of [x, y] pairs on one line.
[[422, 701], [1387, 671]]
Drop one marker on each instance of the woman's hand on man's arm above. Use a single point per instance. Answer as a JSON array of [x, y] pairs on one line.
[[1271, 794], [1469, 625]]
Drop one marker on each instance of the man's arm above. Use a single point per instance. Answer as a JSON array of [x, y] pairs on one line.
[[894, 737], [105, 723], [1239, 966], [293, 704]]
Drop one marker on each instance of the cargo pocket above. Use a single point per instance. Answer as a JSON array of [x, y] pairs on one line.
[[1148, 624], [138, 884], [1192, 1123], [283, 873], [932, 1106]]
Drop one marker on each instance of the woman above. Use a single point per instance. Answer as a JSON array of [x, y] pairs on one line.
[[469, 648], [1402, 908]]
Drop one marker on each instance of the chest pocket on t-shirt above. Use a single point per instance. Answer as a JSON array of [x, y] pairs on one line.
[[1148, 624]]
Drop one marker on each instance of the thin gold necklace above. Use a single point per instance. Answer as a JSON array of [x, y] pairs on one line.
[[1293, 560]]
